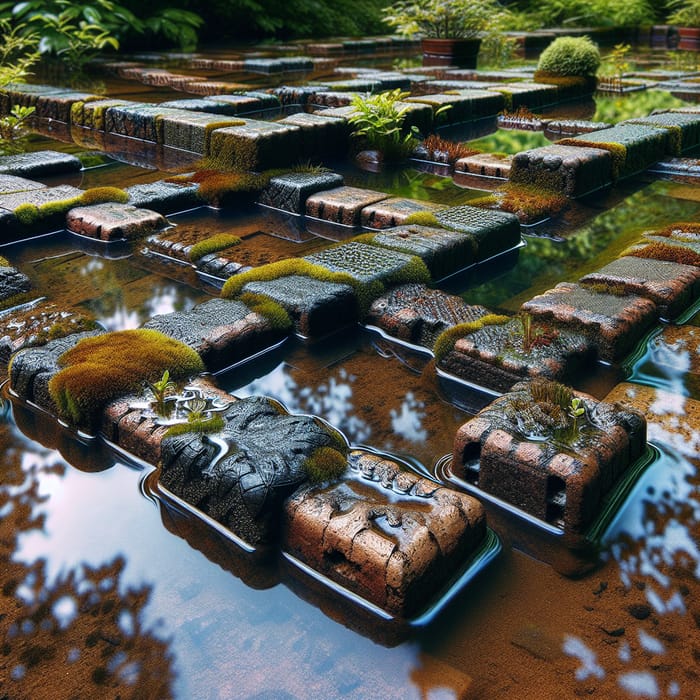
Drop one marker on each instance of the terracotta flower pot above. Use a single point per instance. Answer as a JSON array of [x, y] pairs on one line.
[[689, 38], [450, 52]]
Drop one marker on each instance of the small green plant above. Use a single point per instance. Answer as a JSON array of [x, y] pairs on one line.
[[615, 65], [13, 124], [160, 389], [686, 13], [567, 55]]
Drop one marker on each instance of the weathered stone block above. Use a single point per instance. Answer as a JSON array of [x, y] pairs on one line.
[[530, 95], [39, 197], [418, 314], [485, 165], [164, 197], [140, 121], [387, 535], [342, 205], [192, 131], [213, 87], [461, 107], [290, 191], [13, 183], [91, 115], [613, 323], [525, 449], [683, 130], [323, 138], [671, 286], [494, 231], [39, 164], [573, 171], [394, 211], [12, 282], [112, 221]]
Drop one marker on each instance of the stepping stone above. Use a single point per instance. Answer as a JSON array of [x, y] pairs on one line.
[[672, 287], [323, 138], [365, 263], [58, 106], [673, 419], [140, 121], [462, 108], [389, 536], [296, 94], [39, 164], [443, 252], [224, 65], [485, 165], [190, 131], [530, 95], [112, 221], [497, 356], [342, 205], [12, 283], [418, 315], [250, 102], [265, 451], [223, 332], [394, 211], [12, 183], [325, 97], [572, 170], [612, 323], [213, 87], [39, 197], [91, 115], [683, 130], [290, 191], [257, 145], [563, 471], [494, 231], [317, 308], [574, 127], [164, 197]]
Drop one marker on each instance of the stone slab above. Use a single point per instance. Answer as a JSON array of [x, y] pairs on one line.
[[484, 165], [38, 197], [394, 211], [112, 221], [191, 131], [140, 121], [290, 191], [164, 197], [13, 183], [12, 282], [685, 129], [91, 115], [323, 138], [39, 164], [342, 205], [461, 107], [530, 95]]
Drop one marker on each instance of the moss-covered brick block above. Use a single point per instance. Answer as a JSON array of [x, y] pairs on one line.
[[296, 94], [164, 197], [683, 129], [495, 231], [25, 95], [402, 567], [574, 127], [671, 286], [284, 64], [39, 197], [316, 307], [481, 103], [14, 183], [256, 145], [556, 470], [112, 221], [365, 263], [573, 171], [633, 147], [140, 121], [290, 191], [189, 131], [58, 106], [394, 211], [485, 165], [39, 164], [443, 252], [322, 138], [417, 314], [614, 323], [530, 95], [213, 87], [91, 115], [459, 107], [327, 98], [250, 102], [342, 205]]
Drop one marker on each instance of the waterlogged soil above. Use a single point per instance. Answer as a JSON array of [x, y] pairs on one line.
[[104, 592]]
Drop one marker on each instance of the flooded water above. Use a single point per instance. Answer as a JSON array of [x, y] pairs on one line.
[[116, 595]]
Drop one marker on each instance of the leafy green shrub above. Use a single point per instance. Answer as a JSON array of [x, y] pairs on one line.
[[445, 342], [569, 55], [212, 245], [325, 464], [101, 368]]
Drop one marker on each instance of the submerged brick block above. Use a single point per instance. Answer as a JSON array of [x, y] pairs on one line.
[[39, 164], [530, 95], [387, 535], [323, 138], [613, 323], [683, 130], [394, 211], [112, 221], [91, 115], [671, 286], [573, 171], [190, 131], [139, 121], [342, 205], [164, 197], [485, 165], [290, 191], [561, 472]]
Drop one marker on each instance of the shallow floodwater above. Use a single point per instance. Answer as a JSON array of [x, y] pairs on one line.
[[118, 596]]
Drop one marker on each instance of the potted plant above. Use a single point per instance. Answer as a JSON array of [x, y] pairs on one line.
[[450, 30], [686, 15]]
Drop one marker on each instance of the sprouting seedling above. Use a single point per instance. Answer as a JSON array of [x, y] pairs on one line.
[[161, 389], [196, 409], [576, 410]]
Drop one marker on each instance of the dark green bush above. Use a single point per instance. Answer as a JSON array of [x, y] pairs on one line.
[[570, 55]]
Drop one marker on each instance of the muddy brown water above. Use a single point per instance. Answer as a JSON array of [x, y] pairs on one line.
[[107, 593]]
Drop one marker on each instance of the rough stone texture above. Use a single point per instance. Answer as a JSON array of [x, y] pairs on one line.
[[91, 115], [671, 286], [495, 356], [39, 197], [673, 419], [193, 131], [317, 308], [113, 221], [614, 324], [366, 263], [257, 145], [485, 165], [25, 94], [470, 104], [323, 138], [573, 171], [394, 211], [278, 65], [140, 121], [530, 95], [13, 183], [561, 481], [58, 105], [324, 97], [417, 314], [444, 252], [164, 197], [12, 282], [227, 105], [39, 164], [213, 87], [221, 331], [387, 535], [243, 485], [342, 205], [574, 127], [296, 94], [290, 191], [684, 129], [495, 231]]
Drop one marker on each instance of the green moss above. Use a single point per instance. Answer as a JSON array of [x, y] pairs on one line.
[[218, 125], [101, 195], [268, 308], [212, 245], [16, 300], [414, 271], [199, 426], [4, 262], [617, 289], [325, 464], [101, 368], [423, 218], [27, 214], [445, 342], [569, 55]]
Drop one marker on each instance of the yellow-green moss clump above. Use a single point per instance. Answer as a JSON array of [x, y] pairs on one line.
[[326, 464], [199, 426], [669, 253], [267, 308], [99, 369], [422, 218], [213, 245], [4, 262], [16, 300], [529, 203], [445, 342], [617, 151]]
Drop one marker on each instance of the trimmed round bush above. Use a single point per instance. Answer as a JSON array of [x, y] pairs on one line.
[[570, 55]]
